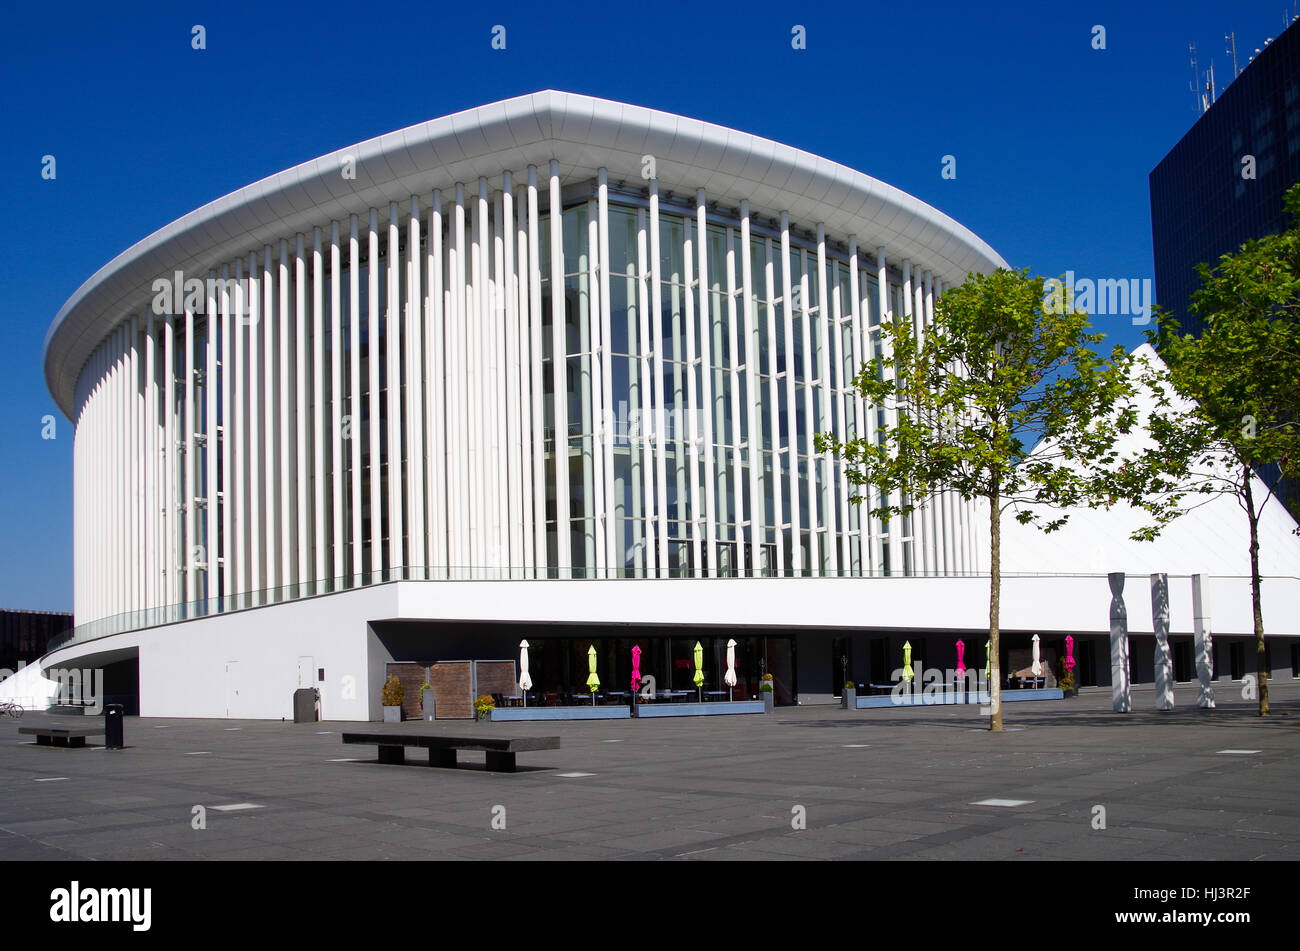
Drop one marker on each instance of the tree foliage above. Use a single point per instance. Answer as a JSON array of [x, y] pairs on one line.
[[1227, 402], [999, 372]]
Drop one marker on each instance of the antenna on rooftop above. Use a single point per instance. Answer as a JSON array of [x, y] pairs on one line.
[[1196, 80], [1232, 50]]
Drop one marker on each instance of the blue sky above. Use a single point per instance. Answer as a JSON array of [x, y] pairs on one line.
[[1053, 140]]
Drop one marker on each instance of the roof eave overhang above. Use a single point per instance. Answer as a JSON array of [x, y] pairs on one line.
[[581, 133]]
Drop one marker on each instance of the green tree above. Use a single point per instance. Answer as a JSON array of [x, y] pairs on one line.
[[1003, 368], [1226, 419]]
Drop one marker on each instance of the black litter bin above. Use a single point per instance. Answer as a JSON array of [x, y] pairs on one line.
[[304, 705], [114, 737]]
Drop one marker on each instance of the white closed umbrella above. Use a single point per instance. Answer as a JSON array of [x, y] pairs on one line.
[[525, 682], [1038, 666], [730, 676]]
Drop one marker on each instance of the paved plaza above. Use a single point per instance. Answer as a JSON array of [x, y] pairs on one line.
[[870, 784]]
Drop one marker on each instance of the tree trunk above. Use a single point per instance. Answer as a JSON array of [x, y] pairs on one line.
[[1261, 651], [995, 606]]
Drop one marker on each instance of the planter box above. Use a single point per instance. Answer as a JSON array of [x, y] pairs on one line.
[[426, 703], [767, 700], [515, 714], [849, 700], [712, 709], [919, 699], [392, 714]]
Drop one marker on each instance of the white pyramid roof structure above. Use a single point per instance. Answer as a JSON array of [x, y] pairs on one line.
[[1211, 539]]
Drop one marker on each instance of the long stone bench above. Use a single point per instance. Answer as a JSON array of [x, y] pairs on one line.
[[61, 735], [500, 751]]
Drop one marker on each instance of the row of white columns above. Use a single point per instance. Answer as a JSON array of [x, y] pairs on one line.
[[223, 454]]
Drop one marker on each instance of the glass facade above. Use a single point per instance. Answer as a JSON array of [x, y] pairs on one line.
[[516, 381]]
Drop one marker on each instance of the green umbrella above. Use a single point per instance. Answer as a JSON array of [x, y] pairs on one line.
[[592, 680], [907, 661], [699, 669], [988, 647]]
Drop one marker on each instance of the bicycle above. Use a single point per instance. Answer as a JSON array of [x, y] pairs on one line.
[[10, 709]]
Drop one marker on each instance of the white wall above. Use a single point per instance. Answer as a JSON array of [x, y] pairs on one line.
[[183, 667]]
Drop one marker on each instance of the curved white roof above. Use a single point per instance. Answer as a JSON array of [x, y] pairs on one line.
[[582, 133]]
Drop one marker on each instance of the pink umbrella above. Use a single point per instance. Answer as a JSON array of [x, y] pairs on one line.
[[961, 657], [636, 668], [1069, 652]]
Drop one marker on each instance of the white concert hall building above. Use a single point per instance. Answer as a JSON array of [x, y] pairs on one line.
[[318, 432]]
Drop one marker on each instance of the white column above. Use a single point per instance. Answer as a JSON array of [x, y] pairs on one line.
[[559, 378], [834, 469], [112, 413], [693, 516], [457, 448], [435, 394], [658, 525], [774, 413], [535, 327], [895, 529], [592, 400], [301, 475], [133, 459], [920, 561], [414, 403], [212, 443], [191, 522], [754, 443], [169, 462], [828, 460], [860, 426], [474, 327], [515, 524], [355, 430], [240, 455], [610, 527], [255, 581], [227, 448], [493, 319], [376, 469], [791, 401], [737, 451], [645, 431], [394, 385], [706, 389], [529, 515], [269, 500], [152, 503], [318, 489], [810, 423], [285, 497], [338, 528]]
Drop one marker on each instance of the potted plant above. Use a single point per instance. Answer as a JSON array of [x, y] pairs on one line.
[[483, 708], [391, 697], [426, 700], [1066, 682], [849, 700], [765, 691]]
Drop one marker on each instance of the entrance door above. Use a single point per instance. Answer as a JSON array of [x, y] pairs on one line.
[[233, 704], [841, 664]]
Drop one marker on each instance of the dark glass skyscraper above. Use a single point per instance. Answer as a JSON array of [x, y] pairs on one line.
[[1202, 205], [1223, 183]]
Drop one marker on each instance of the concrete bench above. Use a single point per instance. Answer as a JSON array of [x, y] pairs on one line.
[[442, 749], [61, 735]]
